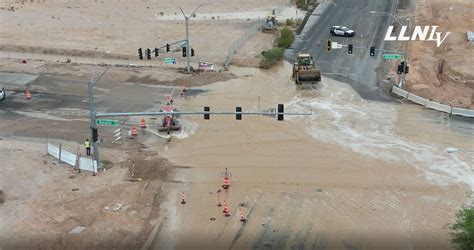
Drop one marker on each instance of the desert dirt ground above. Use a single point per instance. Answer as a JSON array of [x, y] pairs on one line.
[[455, 85]]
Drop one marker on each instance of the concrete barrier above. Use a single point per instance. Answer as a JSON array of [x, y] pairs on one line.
[[440, 107], [400, 92], [417, 99], [463, 112]]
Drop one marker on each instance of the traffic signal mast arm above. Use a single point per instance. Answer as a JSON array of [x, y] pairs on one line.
[[368, 49], [151, 113], [180, 41]]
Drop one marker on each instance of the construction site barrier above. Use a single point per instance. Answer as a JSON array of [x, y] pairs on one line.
[[432, 105], [71, 159]]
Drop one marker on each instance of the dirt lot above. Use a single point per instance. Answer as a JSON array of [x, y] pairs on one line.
[[455, 85], [44, 201]]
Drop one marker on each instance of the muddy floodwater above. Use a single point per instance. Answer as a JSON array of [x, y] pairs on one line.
[[357, 173]]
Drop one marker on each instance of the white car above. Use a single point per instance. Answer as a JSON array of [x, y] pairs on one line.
[[342, 31], [3, 95]]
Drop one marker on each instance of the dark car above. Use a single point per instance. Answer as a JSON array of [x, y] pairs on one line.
[[342, 31]]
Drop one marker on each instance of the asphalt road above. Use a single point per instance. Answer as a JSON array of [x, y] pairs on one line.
[[358, 69]]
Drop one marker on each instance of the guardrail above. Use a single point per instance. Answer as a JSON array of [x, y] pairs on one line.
[[432, 105]]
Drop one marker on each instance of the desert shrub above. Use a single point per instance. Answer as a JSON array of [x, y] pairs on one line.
[[462, 230], [286, 38], [271, 57]]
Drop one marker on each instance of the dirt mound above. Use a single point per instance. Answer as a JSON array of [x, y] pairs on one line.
[[147, 165]]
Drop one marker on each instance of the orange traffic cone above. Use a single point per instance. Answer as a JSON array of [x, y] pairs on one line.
[[142, 123], [226, 210], [182, 198], [226, 183], [133, 131], [27, 94], [242, 218]]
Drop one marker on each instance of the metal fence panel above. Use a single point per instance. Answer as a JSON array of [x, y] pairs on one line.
[[87, 164], [53, 150], [68, 157]]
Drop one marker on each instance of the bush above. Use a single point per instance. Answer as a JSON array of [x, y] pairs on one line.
[[286, 38], [271, 57], [289, 22], [462, 231]]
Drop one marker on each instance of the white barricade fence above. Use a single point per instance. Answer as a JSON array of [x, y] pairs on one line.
[[71, 159]]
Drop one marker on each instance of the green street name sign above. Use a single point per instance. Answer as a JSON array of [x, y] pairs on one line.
[[392, 56], [107, 122]]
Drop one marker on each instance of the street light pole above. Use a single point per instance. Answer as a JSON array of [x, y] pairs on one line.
[[405, 56], [92, 115], [186, 19]]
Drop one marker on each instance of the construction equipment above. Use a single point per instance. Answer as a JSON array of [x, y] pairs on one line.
[[270, 24], [169, 122], [304, 70]]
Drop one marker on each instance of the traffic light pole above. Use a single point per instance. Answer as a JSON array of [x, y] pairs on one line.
[[405, 57], [188, 67], [92, 112]]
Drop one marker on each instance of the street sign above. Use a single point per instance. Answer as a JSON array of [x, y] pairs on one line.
[[336, 45], [391, 56], [107, 122], [170, 60]]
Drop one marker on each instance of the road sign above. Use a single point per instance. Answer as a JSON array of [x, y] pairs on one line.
[[392, 56], [336, 45], [170, 60], [107, 122]]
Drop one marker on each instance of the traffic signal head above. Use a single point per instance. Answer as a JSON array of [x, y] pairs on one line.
[[280, 111], [328, 45], [372, 51], [95, 134], [349, 48], [184, 51], [238, 116], [167, 48], [140, 54], [148, 54], [406, 70], [192, 52], [207, 116], [399, 69], [157, 52]]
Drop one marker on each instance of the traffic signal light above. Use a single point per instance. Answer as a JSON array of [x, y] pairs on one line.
[[372, 51], [349, 48], [406, 70], [280, 110], [95, 134], [238, 116], [157, 52], [184, 51], [328, 45], [140, 54], [148, 54], [167, 48], [207, 116], [399, 69], [192, 52]]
